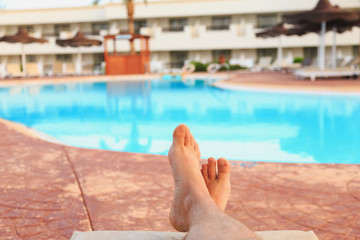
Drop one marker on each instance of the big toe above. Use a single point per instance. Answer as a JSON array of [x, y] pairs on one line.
[[180, 134], [223, 169]]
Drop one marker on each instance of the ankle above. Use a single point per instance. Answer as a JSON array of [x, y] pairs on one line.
[[200, 209]]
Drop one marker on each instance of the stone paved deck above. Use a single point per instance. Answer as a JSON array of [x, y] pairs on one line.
[[288, 82], [47, 191]]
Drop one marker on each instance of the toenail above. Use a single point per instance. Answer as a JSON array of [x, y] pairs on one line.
[[221, 162]]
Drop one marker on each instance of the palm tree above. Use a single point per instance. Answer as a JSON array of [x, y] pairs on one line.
[[130, 12]]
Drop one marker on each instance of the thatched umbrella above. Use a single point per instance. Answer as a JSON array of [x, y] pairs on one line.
[[22, 37], [79, 40], [323, 12], [336, 26], [275, 31]]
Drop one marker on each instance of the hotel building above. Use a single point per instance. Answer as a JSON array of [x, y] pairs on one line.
[[196, 30]]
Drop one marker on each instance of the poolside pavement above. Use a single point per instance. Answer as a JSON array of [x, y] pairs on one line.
[[48, 190], [287, 82]]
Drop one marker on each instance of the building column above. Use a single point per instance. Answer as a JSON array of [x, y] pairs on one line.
[[114, 29], [79, 62], [40, 64], [38, 31], [3, 61]]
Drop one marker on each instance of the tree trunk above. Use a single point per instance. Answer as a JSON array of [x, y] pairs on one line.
[[130, 12]]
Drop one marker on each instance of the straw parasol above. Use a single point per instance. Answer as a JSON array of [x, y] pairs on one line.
[[322, 14], [336, 26], [275, 31], [78, 41], [22, 37]]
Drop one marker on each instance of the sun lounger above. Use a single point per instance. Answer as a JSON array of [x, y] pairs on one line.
[[32, 69], [350, 62], [327, 73], [87, 69], [148, 235], [70, 68], [14, 70], [346, 67], [58, 68], [287, 65], [310, 63], [264, 64], [307, 62]]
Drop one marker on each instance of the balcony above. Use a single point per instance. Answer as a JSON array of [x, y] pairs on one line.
[[173, 29], [218, 28]]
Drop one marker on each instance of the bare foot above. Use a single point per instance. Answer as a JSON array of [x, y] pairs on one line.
[[218, 184], [190, 187], [193, 210]]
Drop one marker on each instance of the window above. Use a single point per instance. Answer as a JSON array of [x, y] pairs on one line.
[[267, 52], [61, 28], [28, 28], [220, 23], [177, 59], [63, 57], [30, 58], [310, 52], [217, 53], [176, 25], [265, 21], [98, 58], [356, 51], [97, 27], [138, 24]]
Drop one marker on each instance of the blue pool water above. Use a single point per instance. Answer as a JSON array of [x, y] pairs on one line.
[[238, 125]]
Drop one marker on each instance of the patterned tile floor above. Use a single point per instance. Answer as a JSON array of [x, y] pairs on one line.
[[47, 191]]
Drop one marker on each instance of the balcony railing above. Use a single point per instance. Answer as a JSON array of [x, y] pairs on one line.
[[218, 27], [176, 64], [173, 29]]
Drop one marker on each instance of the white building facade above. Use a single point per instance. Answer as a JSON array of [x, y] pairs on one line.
[[193, 30]]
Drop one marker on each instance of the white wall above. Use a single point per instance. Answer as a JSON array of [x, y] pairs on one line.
[[195, 39]]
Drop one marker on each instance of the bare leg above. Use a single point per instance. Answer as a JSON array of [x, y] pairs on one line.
[[217, 182], [193, 209]]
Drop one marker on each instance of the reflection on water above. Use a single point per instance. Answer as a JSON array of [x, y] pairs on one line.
[[140, 117]]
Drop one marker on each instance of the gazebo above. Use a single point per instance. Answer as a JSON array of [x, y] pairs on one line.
[[118, 64]]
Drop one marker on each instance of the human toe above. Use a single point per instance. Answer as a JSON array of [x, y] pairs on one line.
[[197, 150], [212, 169], [179, 135], [205, 173], [223, 168]]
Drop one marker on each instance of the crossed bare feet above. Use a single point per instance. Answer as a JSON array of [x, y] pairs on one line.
[[201, 196], [216, 175]]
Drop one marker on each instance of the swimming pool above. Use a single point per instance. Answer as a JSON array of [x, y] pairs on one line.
[[239, 125]]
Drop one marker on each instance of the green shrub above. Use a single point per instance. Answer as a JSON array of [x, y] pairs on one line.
[[199, 66], [237, 67], [298, 60], [232, 67]]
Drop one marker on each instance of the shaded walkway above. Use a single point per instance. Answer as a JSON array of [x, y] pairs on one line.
[[47, 191]]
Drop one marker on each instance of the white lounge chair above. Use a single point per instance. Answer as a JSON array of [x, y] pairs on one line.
[[345, 68], [70, 68], [263, 64], [87, 69], [32, 69], [58, 68], [14, 70]]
